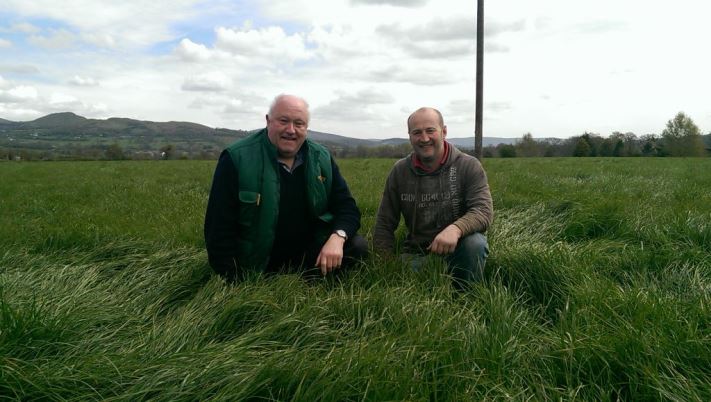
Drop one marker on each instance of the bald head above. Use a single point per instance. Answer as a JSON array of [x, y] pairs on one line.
[[425, 111]]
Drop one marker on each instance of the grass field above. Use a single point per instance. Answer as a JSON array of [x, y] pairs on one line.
[[598, 288]]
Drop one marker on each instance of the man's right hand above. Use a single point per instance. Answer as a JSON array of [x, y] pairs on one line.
[[446, 241], [331, 255]]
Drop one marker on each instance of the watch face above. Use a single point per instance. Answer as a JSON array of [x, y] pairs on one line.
[[341, 233]]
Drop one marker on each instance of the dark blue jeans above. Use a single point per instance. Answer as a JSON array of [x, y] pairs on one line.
[[465, 264]]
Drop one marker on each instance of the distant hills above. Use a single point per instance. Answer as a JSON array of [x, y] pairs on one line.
[[62, 131]]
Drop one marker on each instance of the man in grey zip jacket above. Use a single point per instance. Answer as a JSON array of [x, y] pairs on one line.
[[444, 197]]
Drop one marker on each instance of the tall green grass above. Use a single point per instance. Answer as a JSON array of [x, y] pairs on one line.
[[598, 288]]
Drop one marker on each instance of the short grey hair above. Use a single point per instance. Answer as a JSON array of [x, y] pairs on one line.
[[281, 97]]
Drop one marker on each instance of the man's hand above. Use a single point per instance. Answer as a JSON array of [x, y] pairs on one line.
[[446, 241], [331, 254]]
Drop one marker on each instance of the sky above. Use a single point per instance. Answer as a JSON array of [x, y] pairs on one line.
[[553, 68]]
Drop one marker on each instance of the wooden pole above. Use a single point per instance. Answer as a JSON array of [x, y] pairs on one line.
[[478, 151]]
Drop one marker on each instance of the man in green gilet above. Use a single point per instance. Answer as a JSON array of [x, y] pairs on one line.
[[278, 202]]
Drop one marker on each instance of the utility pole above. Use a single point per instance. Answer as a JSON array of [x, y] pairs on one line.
[[478, 151]]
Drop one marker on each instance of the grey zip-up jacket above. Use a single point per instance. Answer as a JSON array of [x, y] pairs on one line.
[[456, 193]]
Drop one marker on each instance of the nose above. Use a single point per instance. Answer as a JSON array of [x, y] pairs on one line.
[[290, 128]]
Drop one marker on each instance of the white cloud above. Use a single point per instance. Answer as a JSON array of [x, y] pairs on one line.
[[61, 102], [208, 100], [188, 50], [129, 23], [24, 27], [355, 107], [18, 94], [19, 68], [57, 39], [490, 47], [83, 81], [209, 82], [18, 114], [408, 74], [601, 26], [462, 111], [340, 42], [444, 29], [433, 30], [247, 106], [446, 37], [498, 106], [439, 49], [4, 43], [268, 44], [100, 39], [28, 102]]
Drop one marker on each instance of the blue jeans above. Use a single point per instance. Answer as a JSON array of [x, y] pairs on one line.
[[465, 264]]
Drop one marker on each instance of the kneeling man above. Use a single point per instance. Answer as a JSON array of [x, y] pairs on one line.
[[444, 197]]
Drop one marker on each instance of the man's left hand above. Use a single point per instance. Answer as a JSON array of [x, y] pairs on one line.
[[331, 254], [446, 241]]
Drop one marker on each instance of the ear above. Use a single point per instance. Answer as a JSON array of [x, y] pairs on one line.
[[444, 131], [267, 117]]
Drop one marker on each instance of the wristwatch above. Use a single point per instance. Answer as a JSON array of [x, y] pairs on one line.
[[341, 233]]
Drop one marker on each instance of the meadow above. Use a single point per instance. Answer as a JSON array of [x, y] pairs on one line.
[[598, 287]]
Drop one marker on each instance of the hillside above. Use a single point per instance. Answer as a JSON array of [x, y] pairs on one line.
[[69, 133], [65, 132]]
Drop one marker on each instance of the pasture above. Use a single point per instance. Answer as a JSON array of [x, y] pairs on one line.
[[598, 287]]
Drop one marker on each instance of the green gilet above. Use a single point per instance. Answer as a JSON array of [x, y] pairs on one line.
[[255, 159]]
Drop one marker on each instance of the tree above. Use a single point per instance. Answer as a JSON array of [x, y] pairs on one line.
[[650, 145], [619, 149], [527, 146], [582, 147], [632, 144], [607, 146], [594, 142], [507, 151], [114, 152], [682, 137]]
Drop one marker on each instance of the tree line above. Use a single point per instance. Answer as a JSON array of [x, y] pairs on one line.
[[680, 137], [114, 151]]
